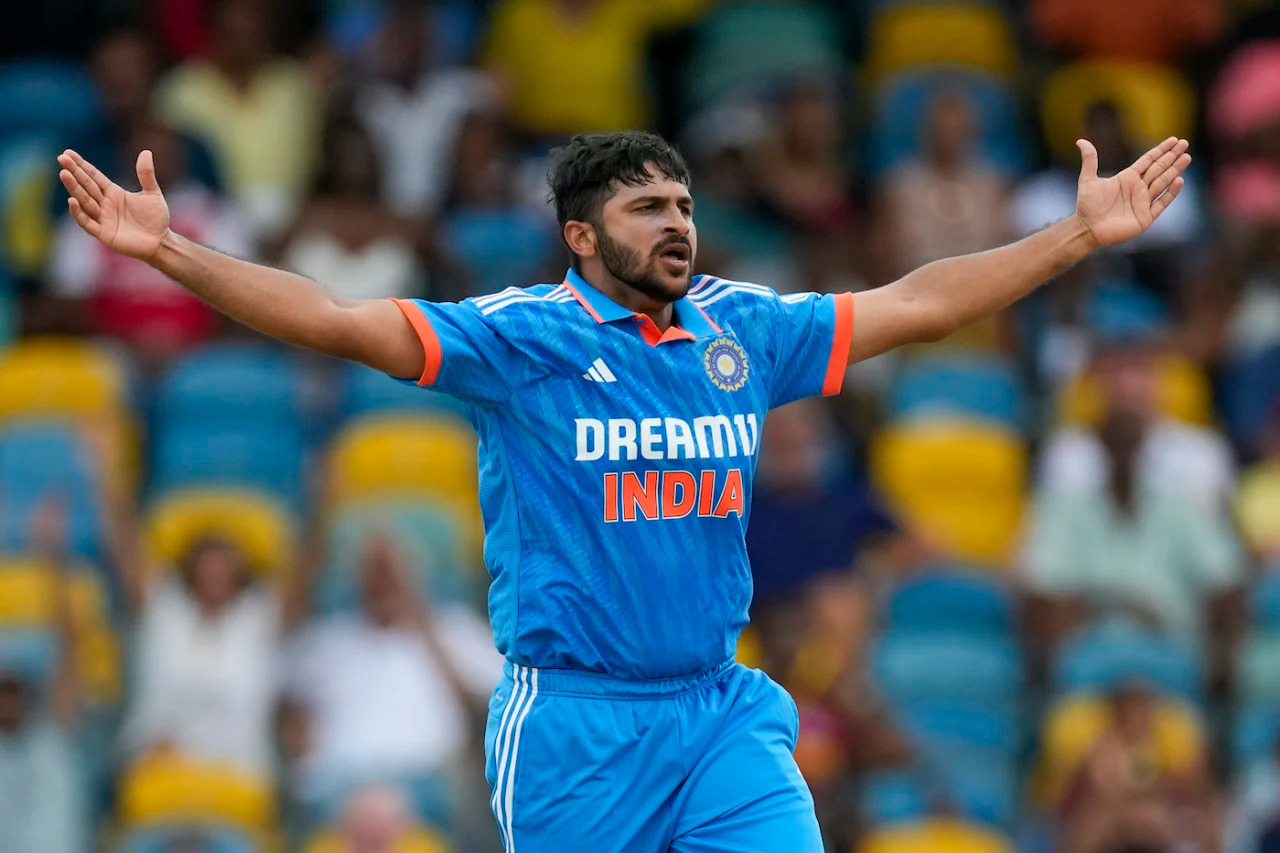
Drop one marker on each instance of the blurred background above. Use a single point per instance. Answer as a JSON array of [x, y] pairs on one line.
[[1024, 584]]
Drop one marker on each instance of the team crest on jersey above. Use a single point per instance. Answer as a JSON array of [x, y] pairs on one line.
[[726, 364]]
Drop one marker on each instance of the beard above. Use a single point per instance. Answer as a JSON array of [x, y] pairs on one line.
[[625, 264]]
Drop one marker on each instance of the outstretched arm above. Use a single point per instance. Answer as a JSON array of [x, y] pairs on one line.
[[289, 307], [939, 298]]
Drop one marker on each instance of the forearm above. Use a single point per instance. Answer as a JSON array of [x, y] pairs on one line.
[[955, 292], [281, 304]]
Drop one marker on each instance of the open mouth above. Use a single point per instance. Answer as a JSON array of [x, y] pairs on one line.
[[676, 255]]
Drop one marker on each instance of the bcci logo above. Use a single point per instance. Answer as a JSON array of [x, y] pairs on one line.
[[726, 364]]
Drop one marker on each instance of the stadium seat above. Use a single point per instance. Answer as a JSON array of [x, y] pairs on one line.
[[264, 457], [961, 725], [948, 666], [397, 455], [203, 837], [1073, 726], [962, 485], [28, 181], [959, 602], [47, 97], [1257, 507], [908, 36], [977, 787], [499, 246], [1155, 100], [436, 543], [369, 392], [29, 653], [1258, 669], [171, 790], [260, 525], [1184, 394], [1251, 396], [41, 459], [959, 387], [1102, 657], [229, 384], [1254, 734], [935, 835], [60, 378], [1265, 601], [422, 840]]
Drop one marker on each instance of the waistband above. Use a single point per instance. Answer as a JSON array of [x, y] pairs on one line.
[[582, 683]]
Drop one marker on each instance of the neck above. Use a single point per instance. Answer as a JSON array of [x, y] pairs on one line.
[[661, 313]]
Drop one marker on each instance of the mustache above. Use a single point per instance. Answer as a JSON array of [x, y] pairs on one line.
[[674, 241]]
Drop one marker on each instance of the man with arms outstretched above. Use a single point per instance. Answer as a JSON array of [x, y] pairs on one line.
[[619, 414]]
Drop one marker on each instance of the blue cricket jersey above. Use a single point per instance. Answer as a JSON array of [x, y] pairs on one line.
[[616, 461]]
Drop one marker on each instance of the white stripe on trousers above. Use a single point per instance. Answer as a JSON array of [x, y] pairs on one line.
[[507, 748]]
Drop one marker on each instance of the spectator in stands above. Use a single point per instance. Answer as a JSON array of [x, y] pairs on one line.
[[387, 692], [1192, 462], [344, 237], [415, 110], [375, 818], [1134, 775], [1258, 500], [1148, 30], [486, 229], [205, 676], [258, 109], [127, 299], [1121, 545], [602, 44], [43, 808]]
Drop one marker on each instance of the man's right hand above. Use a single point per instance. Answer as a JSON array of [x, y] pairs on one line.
[[133, 224]]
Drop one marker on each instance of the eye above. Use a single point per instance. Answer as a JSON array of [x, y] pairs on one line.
[[647, 206]]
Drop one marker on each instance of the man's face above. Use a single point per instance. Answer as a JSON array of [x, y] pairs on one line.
[[647, 240], [1130, 382]]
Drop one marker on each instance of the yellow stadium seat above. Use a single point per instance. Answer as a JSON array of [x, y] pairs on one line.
[[750, 652], [430, 457], [168, 788], [1156, 102], [27, 601], [260, 526], [938, 835], [907, 36], [57, 377], [1074, 725], [422, 840], [959, 484], [1184, 394], [1258, 507]]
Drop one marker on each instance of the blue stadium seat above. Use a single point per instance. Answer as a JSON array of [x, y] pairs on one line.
[[1251, 396], [207, 839], [230, 384], [901, 103], [963, 386], [268, 458], [1265, 602], [952, 601], [892, 796], [43, 458], [499, 247], [28, 653], [1116, 309], [949, 665], [949, 724], [368, 391], [1100, 658], [1253, 734], [981, 787], [48, 97]]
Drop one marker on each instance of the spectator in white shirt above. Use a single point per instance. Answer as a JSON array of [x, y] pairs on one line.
[[387, 693]]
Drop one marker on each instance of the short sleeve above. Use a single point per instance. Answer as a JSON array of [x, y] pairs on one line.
[[1215, 557], [1050, 556], [812, 336], [466, 357]]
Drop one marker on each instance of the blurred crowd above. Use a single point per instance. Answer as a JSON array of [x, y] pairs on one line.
[[1024, 583]]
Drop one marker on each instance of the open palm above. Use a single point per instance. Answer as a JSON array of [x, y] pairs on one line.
[[1123, 206], [132, 224]]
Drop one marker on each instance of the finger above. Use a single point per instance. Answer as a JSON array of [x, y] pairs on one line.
[[82, 178], [83, 219], [78, 191], [1167, 177], [1159, 205], [1164, 161], [1144, 162], [1088, 159], [147, 172], [103, 182]]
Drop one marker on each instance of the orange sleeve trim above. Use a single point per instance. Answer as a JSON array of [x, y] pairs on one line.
[[426, 334], [841, 342]]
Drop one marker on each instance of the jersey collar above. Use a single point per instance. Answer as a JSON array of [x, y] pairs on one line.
[[688, 316]]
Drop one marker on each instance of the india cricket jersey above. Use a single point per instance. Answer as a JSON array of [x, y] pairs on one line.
[[615, 460]]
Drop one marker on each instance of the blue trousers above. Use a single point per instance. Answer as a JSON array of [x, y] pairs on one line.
[[585, 762]]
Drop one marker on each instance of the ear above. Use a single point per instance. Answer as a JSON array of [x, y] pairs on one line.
[[580, 237]]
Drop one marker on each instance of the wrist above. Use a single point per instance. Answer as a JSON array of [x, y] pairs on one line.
[[1083, 232], [168, 247]]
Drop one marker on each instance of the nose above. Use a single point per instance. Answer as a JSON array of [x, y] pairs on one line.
[[676, 224]]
